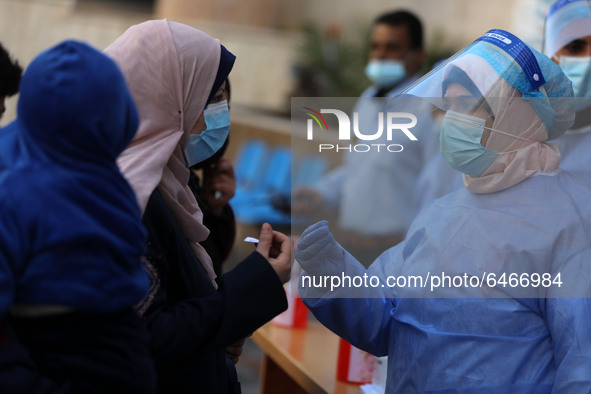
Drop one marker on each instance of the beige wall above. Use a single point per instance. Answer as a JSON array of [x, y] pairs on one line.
[[261, 77], [260, 13], [29, 26], [461, 20], [262, 33]]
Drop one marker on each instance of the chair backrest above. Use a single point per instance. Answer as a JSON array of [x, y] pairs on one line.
[[277, 178], [309, 170], [250, 164]]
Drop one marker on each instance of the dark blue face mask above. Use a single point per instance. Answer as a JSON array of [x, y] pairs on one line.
[[202, 146]]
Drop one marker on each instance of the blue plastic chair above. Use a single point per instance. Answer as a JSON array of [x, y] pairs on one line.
[[254, 206], [310, 169], [249, 165]]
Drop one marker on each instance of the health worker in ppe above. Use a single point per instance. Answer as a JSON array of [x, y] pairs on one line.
[[519, 216], [372, 192], [567, 38], [567, 41]]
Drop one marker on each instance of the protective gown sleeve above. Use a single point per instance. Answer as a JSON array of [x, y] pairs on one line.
[[569, 320], [361, 315]]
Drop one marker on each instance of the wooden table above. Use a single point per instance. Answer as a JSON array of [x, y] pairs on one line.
[[300, 360]]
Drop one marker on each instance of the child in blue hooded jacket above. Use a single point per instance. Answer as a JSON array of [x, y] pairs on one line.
[[71, 235]]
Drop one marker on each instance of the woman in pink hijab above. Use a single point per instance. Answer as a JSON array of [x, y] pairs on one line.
[[177, 76]]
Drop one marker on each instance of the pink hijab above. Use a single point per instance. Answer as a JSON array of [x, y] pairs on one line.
[[521, 156], [170, 69]]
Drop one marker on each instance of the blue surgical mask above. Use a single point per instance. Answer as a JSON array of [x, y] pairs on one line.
[[578, 70], [202, 146], [385, 73], [460, 144]]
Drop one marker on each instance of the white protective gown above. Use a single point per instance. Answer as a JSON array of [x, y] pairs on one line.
[[374, 192]]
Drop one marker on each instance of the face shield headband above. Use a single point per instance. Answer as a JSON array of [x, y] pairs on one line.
[[520, 52], [566, 20]]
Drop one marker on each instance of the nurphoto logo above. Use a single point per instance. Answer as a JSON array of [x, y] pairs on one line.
[[388, 122]]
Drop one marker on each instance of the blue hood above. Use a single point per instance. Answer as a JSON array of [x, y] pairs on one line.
[[73, 75]]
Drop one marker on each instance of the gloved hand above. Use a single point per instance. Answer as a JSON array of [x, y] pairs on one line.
[[321, 256], [319, 253]]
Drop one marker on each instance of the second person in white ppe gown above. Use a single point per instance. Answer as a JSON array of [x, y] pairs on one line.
[[568, 42], [378, 179]]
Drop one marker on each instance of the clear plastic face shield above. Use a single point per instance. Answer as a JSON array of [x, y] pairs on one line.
[[491, 100], [566, 22], [567, 40], [468, 81]]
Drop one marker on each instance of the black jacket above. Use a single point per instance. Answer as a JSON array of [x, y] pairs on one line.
[[75, 353], [190, 322]]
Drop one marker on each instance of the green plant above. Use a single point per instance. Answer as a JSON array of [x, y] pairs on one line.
[[437, 50], [333, 62]]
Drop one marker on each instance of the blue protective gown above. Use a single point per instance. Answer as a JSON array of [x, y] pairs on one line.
[[515, 343], [436, 179], [574, 151]]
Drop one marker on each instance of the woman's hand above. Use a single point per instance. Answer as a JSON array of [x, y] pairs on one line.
[[219, 185], [235, 350], [276, 248]]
